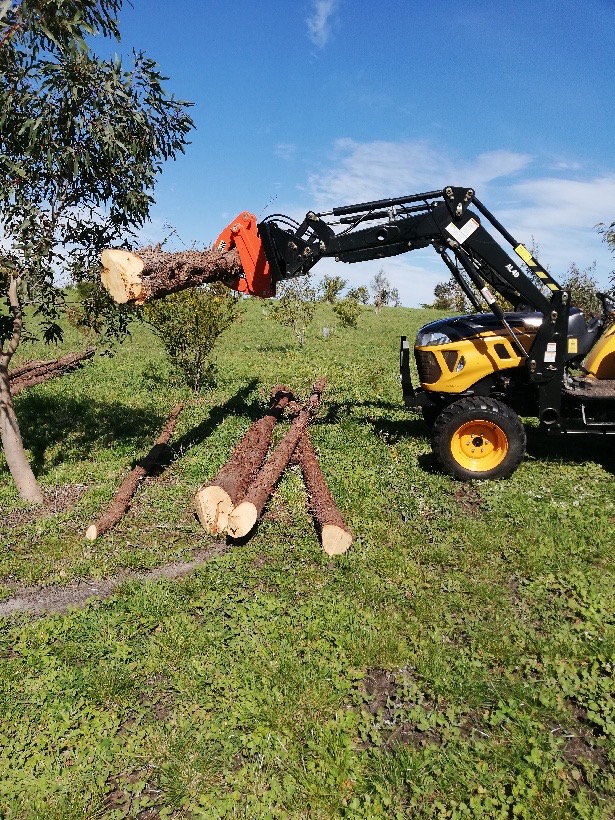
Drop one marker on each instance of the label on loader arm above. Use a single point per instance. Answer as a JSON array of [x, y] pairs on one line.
[[461, 234], [550, 352]]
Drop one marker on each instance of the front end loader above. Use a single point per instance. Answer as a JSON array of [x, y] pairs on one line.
[[477, 374]]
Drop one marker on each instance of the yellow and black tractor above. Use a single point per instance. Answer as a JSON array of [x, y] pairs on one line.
[[478, 373]]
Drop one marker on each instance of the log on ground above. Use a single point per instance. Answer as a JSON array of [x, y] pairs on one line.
[[36, 372], [216, 499], [243, 518], [151, 273], [123, 497], [335, 536]]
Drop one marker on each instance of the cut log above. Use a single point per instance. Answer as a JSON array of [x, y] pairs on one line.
[[243, 518], [123, 497], [36, 372], [152, 273], [335, 536], [215, 500]]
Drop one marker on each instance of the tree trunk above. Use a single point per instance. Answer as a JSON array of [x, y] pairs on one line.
[[152, 273], [216, 499], [335, 536], [123, 497], [33, 373], [10, 436], [244, 517]]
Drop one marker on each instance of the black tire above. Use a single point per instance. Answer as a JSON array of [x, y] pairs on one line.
[[478, 438]]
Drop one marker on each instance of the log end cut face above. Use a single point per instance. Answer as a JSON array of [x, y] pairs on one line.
[[121, 276], [335, 540], [213, 506]]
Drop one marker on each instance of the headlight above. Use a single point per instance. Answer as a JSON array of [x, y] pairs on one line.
[[430, 338]]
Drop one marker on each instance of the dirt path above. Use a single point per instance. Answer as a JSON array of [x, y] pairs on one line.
[[43, 600]]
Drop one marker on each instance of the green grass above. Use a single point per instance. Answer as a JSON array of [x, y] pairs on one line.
[[458, 661]]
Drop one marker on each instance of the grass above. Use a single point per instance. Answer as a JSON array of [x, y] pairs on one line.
[[456, 662]]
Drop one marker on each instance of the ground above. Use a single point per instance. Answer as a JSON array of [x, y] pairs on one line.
[[456, 662]]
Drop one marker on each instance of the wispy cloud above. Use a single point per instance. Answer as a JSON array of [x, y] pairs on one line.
[[373, 170], [285, 150], [319, 22]]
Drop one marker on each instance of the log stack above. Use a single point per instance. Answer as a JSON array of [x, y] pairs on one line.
[[234, 500]]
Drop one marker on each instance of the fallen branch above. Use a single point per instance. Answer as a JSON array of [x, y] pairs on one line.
[[216, 499], [37, 372], [123, 497], [335, 536], [153, 273], [243, 518]]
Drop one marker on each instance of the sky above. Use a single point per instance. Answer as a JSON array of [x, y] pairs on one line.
[[312, 104]]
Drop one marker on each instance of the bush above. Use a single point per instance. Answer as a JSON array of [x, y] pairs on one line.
[[188, 324], [295, 306]]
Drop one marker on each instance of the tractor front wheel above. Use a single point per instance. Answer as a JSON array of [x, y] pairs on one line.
[[478, 437]]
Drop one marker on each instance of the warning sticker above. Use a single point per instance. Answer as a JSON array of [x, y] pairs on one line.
[[573, 347], [461, 234], [550, 352]]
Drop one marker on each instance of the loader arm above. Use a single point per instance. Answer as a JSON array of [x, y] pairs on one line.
[[449, 220]]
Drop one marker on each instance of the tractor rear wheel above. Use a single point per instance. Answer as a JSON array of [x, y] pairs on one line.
[[478, 437]]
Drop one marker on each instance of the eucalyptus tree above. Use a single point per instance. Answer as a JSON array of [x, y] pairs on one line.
[[82, 140]]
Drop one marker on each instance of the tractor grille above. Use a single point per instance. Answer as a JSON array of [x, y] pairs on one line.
[[427, 366]]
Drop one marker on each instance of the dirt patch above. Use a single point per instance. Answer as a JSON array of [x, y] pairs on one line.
[[57, 599], [468, 498], [56, 500]]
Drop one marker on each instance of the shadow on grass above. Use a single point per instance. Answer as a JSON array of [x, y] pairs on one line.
[[79, 426], [574, 449]]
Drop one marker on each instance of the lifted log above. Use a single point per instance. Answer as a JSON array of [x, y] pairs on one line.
[[243, 518], [152, 273], [216, 499], [37, 372], [335, 536], [123, 497]]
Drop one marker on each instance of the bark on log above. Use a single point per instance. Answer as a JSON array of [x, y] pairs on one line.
[[243, 518], [335, 536], [216, 499], [152, 273], [37, 372], [123, 497]]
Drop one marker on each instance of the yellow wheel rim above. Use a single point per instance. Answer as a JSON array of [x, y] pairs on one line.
[[479, 446]]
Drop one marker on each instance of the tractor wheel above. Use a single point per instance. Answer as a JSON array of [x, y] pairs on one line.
[[478, 437]]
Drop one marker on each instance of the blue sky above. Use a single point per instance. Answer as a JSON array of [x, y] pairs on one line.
[[317, 103]]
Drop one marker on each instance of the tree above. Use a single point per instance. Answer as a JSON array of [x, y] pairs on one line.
[[582, 287], [449, 296], [82, 141], [360, 295], [294, 306], [330, 288], [347, 311], [188, 324], [382, 291]]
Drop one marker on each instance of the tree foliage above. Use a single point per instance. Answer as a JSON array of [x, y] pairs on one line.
[[583, 286], [360, 295], [449, 296], [188, 323], [82, 140], [295, 306], [330, 288]]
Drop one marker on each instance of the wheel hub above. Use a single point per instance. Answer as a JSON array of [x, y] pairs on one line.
[[479, 445]]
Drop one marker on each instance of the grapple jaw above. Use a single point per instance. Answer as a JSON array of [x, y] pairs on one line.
[[242, 234]]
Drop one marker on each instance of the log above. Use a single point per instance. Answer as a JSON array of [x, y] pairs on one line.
[[243, 518], [123, 497], [215, 500], [36, 372], [335, 536], [152, 273]]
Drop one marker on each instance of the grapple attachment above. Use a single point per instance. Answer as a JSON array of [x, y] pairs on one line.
[[242, 234]]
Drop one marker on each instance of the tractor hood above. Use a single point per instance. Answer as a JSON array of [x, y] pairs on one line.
[[456, 328]]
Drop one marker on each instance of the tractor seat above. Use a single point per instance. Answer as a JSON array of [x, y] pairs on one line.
[[584, 332]]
